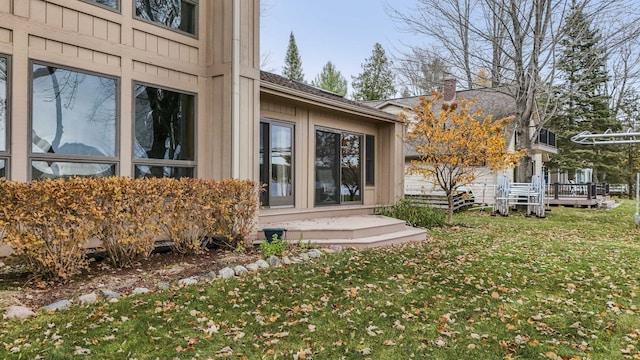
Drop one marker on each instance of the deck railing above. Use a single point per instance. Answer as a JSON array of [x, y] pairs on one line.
[[585, 191]]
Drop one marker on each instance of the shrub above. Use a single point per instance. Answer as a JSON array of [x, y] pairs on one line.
[[414, 214], [132, 210], [48, 223], [189, 214], [235, 205]]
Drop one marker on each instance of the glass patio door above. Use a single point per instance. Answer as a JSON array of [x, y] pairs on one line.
[[276, 163]]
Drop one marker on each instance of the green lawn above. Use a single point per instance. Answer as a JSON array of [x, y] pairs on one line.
[[563, 287]]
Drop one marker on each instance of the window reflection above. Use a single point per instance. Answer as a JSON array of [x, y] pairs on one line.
[[164, 130], [3, 169], [3, 104], [338, 167], [327, 168], [108, 3], [351, 167], [176, 14], [73, 113], [56, 169], [163, 171]]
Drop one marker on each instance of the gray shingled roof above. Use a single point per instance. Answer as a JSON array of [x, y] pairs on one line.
[[493, 101], [267, 77]]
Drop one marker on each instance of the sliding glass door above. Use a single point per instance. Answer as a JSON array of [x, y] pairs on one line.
[[276, 163]]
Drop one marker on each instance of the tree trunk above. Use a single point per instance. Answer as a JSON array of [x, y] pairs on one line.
[[450, 208]]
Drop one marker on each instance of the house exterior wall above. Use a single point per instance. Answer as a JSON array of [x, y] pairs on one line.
[[306, 119], [219, 65]]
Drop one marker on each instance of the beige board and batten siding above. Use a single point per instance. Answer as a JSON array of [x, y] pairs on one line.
[[306, 118], [86, 37]]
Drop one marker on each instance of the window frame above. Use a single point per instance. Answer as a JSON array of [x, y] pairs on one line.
[[287, 201], [136, 161], [196, 30], [70, 158], [5, 155], [341, 132]]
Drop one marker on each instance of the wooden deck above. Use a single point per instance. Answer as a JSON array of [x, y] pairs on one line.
[[359, 231]]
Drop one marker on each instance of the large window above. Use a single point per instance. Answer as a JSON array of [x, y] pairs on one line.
[[73, 123], [4, 114], [175, 14], [276, 163], [164, 143], [338, 167]]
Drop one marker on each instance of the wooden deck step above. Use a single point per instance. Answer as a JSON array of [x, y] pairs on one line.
[[362, 231]]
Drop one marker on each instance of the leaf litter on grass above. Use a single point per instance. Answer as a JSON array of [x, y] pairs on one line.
[[511, 288]]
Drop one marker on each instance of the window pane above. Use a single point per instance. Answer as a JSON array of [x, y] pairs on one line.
[[73, 113], [3, 168], [175, 14], [56, 169], [327, 168], [163, 171], [370, 160], [3, 104], [164, 123], [351, 167], [108, 3], [264, 166], [281, 156]]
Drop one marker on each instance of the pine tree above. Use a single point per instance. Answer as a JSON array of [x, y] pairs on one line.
[[583, 103], [331, 79], [376, 80], [292, 62]]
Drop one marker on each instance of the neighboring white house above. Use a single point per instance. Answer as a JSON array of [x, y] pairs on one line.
[[493, 101]]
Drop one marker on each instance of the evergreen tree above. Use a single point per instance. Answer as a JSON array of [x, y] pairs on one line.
[[583, 103], [376, 80], [292, 62], [331, 79]]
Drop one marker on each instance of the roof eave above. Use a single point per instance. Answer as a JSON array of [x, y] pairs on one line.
[[311, 99]]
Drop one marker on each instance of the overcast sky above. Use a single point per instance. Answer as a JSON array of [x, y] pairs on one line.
[[342, 31]]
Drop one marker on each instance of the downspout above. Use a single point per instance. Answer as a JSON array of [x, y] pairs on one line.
[[235, 91]]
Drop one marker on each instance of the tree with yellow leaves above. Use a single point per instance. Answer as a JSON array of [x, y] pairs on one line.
[[454, 143]]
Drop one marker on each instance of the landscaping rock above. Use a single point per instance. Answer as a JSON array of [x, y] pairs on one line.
[[327, 251], [18, 312], [336, 248], [315, 253], [286, 260], [188, 281], [274, 261], [295, 260], [163, 285], [240, 270], [226, 273], [252, 267], [88, 299], [58, 305], [303, 257], [211, 275], [139, 291], [109, 295], [262, 264]]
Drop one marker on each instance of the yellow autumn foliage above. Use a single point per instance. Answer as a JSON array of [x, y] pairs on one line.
[[454, 142]]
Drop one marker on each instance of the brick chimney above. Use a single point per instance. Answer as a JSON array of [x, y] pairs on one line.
[[449, 89]]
